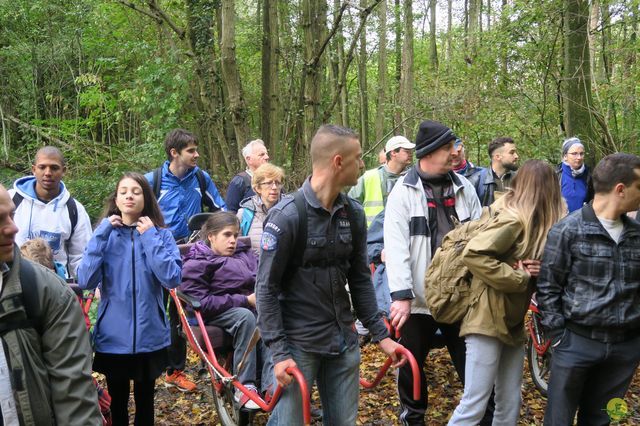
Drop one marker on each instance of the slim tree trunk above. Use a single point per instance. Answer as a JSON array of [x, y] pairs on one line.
[[270, 85], [432, 31], [449, 29], [362, 85], [382, 71], [231, 75], [577, 100], [406, 81]]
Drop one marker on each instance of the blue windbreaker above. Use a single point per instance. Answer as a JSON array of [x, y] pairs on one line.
[[180, 198], [131, 270]]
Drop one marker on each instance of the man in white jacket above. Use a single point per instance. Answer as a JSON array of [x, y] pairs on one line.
[[46, 209], [420, 210]]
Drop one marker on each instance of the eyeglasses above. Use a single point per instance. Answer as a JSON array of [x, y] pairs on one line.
[[271, 183], [576, 154]]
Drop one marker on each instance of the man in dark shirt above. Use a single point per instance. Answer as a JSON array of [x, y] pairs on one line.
[[497, 177], [589, 297], [304, 313], [255, 155]]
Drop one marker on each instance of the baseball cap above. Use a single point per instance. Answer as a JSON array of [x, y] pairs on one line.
[[398, 142]]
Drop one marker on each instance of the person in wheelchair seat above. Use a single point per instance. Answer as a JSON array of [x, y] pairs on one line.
[[220, 272]]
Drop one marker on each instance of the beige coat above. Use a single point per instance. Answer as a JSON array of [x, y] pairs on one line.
[[500, 293]]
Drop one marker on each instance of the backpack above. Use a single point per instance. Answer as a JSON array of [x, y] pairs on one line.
[[447, 284], [205, 202]]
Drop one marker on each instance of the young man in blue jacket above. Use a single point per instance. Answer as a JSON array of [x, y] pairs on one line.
[[180, 197]]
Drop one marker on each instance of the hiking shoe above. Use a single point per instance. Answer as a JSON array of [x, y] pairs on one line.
[[179, 381], [243, 400]]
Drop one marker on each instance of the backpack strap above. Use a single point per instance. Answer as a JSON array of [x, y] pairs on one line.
[[17, 199], [29, 301], [246, 179], [301, 240], [157, 182], [205, 202]]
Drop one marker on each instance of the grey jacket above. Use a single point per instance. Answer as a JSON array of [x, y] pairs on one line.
[[308, 306], [51, 371]]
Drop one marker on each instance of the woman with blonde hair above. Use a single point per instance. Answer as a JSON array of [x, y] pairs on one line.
[[267, 182], [504, 259]]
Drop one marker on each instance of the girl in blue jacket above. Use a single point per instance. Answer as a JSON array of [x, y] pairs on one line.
[[131, 256]]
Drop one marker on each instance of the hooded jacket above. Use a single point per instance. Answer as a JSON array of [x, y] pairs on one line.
[[219, 282], [180, 198], [51, 222], [131, 270]]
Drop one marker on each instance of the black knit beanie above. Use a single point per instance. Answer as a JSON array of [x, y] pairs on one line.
[[431, 136]]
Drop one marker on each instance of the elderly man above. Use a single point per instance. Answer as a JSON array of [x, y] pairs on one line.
[[46, 209], [459, 161], [255, 154]]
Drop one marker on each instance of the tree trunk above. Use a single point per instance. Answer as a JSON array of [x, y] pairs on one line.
[[577, 102], [432, 30], [382, 71], [406, 81], [231, 76], [362, 86], [449, 29], [473, 19], [397, 14], [270, 117]]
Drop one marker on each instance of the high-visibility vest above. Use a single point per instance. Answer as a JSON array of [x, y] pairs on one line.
[[373, 197]]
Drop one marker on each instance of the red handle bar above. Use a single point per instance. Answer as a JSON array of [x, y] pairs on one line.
[[415, 371], [304, 393]]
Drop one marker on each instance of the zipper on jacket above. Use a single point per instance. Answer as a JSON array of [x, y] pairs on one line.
[[133, 286]]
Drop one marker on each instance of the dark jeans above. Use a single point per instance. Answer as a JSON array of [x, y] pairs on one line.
[[142, 395], [585, 375], [418, 335], [177, 351]]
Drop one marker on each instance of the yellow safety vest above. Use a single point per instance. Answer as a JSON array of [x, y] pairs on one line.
[[373, 199]]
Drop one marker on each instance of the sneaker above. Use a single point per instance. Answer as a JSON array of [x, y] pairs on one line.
[[179, 381], [243, 400]]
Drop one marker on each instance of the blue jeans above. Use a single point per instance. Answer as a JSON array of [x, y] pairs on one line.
[[585, 375], [338, 379]]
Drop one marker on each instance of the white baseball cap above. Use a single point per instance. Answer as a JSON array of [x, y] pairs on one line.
[[398, 142]]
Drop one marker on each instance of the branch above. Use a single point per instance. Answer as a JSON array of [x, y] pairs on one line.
[[140, 10], [179, 31], [314, 62], [365, 13], [38, 130]]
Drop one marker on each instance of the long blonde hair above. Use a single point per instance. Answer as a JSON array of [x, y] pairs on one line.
[[536, 201]]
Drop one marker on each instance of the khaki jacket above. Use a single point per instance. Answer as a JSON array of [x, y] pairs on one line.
[[500, 294]]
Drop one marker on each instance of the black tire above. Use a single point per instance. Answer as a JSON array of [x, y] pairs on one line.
[[539, 367], [228, 412]]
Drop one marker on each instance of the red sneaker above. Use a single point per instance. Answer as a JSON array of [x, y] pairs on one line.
[[180, 381]]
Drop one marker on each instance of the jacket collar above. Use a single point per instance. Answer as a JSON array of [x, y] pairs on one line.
[[631, 227], [313, 201], [413, 179]]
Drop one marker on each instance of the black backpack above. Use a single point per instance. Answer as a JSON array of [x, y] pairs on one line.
[[205, 202]]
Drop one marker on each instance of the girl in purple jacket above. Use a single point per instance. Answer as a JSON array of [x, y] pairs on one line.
[[220, 272]]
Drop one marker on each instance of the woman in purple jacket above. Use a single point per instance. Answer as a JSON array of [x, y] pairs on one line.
[[220, 272]]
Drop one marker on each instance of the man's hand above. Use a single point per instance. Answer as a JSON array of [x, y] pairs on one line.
[[283, 378], [389, 347], [399, 313]]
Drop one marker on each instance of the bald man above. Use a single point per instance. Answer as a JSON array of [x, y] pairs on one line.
[[46, 209], [312, 246]]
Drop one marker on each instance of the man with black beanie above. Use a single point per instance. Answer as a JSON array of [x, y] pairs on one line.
[[421, 209]]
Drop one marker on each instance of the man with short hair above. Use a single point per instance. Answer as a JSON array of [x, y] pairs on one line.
[[459, 161], [312, 247], [374, 185], [183, 190], [589, 298], [255, 154], [496, 179], [421, 209], [45, 209], [45, 354]]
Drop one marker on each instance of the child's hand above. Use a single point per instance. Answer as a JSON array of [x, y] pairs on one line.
[[115, 220]]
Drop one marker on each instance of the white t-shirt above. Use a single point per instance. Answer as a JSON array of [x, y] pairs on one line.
[[613, 227]]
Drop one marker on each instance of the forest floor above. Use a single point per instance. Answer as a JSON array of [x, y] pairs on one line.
[[378, 406]]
